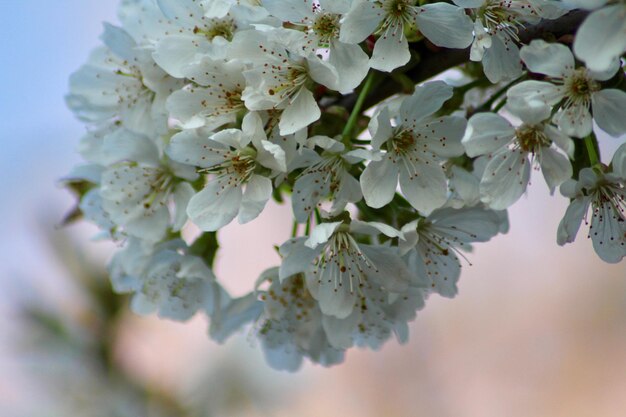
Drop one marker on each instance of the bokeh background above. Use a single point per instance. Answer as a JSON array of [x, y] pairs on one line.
[[537, 330]]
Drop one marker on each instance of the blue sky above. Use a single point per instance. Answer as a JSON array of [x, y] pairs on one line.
[[43, 41]]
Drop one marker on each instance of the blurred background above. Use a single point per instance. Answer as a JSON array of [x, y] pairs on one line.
[[537, 330]]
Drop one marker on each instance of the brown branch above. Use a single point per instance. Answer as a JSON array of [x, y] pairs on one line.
[[435, 62]]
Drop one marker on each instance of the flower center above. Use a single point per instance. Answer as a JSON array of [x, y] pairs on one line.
[[403, 141], [398, 13], [161, 185], [326, 27], [398, 8], [289, 79], [343, 263], [218, 27], [531, 138], [580, 85], [499, 15]]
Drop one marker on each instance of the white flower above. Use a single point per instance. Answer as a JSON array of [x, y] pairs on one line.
[[200, 30], [290, 326], [606, 194], [416, 147], [321, 25], [281, 78], [513, 151], [121, 83], [163, 279], [495, 34], [235, 166], [601, 38], [433, 244], [137, 195], [578, 87], [326, 175], [215, 97], [344, 268], [443, 24]]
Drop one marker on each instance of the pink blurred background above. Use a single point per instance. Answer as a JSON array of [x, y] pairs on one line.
[[536, 330]]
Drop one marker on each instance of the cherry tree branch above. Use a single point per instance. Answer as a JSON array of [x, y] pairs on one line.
[[433, 62]]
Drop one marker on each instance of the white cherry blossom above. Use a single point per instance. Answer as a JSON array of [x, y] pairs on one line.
[[601, 39], [290, 326], [321, 25], [163, 279], [326, 175], [578, 89], [121, 83], [282, 78], [236, 187], [605, 193], [513, 151], [214, 98], [338, 268], [415, 149], [433, 244], [443, 24]]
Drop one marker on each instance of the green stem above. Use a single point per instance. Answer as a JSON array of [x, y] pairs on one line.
[[499, 105], [294, 229], [348, 130], [590, 146]]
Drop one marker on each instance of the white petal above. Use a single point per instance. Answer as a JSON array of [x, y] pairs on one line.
[[301, 112], [535, 93], [602, 37], [120, 42], [553, 59], [608, 233], [391, 50], [351, 62], [390, 271], [505, 179], [298, 257], [192, 148], [574, 120], [426, 100], [361, 21], [619, 162], [379, 181], [445, 25], [442, 136], [334, 296], [289, 11], [214, 206], [531, 113], [323, 72], [469, 224], [501, 61], [486, 132], [609, 111], [555, 168], [339, 331], [321, 233], [173, 53], [373, 228], [380, 128], [182, 194], [308, 190], [258, 191], [271, 156], [560, 139], [425, 187]]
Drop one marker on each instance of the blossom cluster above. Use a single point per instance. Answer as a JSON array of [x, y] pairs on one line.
[[201, 111]]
